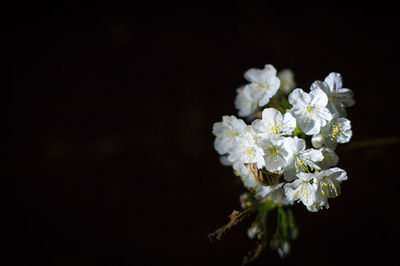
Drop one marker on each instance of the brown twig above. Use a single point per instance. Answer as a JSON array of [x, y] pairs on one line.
[[235, 218]]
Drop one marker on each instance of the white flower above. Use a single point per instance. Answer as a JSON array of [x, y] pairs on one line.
[[330, 158], [314, 189], [275, 192], [275, 152], [274, 123], [302, 159], [310, 110], [302, 189], [339, 98], [245, 102], [226, 133], [287, 80], [338, 130], [263, 83], [246, 151], [328, 182]]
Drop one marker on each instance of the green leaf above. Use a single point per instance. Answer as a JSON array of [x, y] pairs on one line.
[[285, 103]]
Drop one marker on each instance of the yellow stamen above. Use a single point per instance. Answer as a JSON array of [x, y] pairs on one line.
[[336, 131], [310, 108]]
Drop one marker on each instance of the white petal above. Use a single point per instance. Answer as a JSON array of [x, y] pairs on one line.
[[300, 144], [310, 126], [274, 84], [324, 114], [330, 158], [220, 146], [264, 100], [291, 188], [260, 161], [268, 94], [346, 97], [259, 125], [334, 81], [271, 115], [299, 97], [313, 155], [307, 194], [289, 173], [318, 97], [233, 121], [336, 173], [244, 102], [240, 168], [295, 145], [270, 69], [238, 124], [224, 161], [271, 122], [253, 75], [305, 176], [317, 140], [219, 128], [234, 156], [320, 85], [274, 164], [288, 124]]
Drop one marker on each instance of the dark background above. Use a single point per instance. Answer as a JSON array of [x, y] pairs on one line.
[[109, 118]]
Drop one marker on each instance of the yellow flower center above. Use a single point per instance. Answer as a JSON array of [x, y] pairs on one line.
[[262, 86], [249, 151], [274, 152], [327, 186], [310, 108], [303, 192], [275, 129], [301, 165], [336, 131]]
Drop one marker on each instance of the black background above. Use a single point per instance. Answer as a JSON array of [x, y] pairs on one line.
[[109, 118]]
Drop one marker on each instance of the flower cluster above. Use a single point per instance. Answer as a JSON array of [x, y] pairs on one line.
[[270, 152]]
